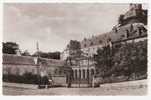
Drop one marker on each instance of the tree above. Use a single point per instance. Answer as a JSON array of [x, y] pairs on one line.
[[74, 51], [54, 55], [74, 48], [26, 53], [103, 60], [10, 47], [48, 55]]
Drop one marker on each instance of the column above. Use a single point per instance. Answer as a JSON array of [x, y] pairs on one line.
[[81, 74], [73, 74], [86, 74], [77, 73]]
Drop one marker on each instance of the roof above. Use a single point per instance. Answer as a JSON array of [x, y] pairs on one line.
[[14, 59], [52, 62], [27, 60], [95, 40], [130, 13], [121, 34]]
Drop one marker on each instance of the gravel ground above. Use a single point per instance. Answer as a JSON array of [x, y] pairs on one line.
[[123, 88]]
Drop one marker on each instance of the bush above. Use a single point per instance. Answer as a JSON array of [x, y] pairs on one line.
[[127, 60], [27, 78]]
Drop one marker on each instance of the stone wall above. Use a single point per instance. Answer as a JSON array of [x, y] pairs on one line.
[[19, 69]]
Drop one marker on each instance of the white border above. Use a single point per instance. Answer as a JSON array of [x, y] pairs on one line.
[[1, 35], [75, 1]]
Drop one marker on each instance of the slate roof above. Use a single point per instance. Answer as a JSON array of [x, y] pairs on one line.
[[27, 60], [113, 36]]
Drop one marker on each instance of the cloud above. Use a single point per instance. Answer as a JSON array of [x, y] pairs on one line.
[[53, 25]]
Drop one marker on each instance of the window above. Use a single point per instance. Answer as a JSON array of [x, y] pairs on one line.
[[139, 31], [91, 43], [122, 35], [92, 71], [127, 33], [131, 28], [85, 45], [100, 41]]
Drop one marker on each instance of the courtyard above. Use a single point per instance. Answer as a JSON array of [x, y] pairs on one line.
[[124, 88]]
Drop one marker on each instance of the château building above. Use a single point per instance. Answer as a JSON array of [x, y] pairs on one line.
[[133, 28]]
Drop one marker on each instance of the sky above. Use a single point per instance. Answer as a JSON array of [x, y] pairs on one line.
[[53, 25]]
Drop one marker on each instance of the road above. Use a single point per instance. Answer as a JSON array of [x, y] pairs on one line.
[[123, 88]]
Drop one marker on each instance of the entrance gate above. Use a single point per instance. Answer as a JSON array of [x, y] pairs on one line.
[[82, 77]]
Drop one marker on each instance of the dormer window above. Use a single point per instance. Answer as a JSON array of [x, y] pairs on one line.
[[139, 31], [127, 33]]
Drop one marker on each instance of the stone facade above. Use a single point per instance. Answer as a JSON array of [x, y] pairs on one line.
[[135, 14], [19, 65], [134, 29]]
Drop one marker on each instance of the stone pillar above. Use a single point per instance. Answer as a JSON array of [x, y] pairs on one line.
[[81, 74], [86, 74], [77, 73], [73, 74]]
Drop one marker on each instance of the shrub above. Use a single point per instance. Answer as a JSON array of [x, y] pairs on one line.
[[27, 78]]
